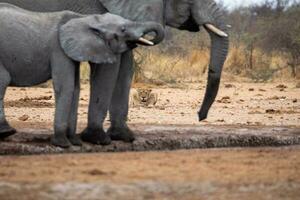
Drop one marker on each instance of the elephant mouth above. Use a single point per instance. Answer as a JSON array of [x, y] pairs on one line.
[[142, 40], [146, 39], [190, 25]]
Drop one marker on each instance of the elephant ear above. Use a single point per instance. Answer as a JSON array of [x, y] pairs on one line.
[[137, 10], [81, 42]]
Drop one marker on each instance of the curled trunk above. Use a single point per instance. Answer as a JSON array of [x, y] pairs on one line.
[[152, 27]]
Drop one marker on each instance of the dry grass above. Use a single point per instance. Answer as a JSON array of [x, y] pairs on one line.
[[164, 65], [171, 69], [192, 66]]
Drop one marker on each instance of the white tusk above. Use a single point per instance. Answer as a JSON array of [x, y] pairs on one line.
[[145, 41], [216, 30]]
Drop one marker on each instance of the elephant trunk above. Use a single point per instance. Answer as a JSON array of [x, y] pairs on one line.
[[206, 13], [149, 27], [219, 51]]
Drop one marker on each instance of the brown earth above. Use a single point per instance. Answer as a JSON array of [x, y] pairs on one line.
[[236, 173], [260, 173]]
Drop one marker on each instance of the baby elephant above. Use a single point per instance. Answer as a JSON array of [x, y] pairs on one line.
[[35, 47]]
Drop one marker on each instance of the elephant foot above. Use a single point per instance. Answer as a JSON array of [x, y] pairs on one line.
[[60, 141], [95, 136], [6, 130], [124, 134], [75, 140]]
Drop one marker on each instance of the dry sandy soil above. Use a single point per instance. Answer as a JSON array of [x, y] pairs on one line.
[[238, 103], [257, 173]]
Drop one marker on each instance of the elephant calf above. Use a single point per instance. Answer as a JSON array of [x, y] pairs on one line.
[[35, 47]]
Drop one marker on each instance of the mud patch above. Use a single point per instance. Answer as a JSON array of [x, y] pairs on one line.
[[150, 137]]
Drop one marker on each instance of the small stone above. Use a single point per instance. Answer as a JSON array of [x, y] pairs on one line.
[[272, 111], [281, 86], [225, 100], [24, 118], [229, 86]]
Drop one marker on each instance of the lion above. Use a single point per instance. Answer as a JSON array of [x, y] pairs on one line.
[[143, 97]]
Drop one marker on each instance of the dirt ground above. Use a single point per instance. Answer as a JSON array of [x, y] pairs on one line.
[[269, 173], [271, 104], [251, 173]]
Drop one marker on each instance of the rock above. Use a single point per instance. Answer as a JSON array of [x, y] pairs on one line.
[[272, 111], [281, 86], [229, 86], [225, 99], [24, 118]]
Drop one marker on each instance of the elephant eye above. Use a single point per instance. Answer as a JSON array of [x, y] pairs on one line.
[[97, 32], [123, 29]]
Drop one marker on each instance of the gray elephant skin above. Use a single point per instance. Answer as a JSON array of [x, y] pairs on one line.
[[187, 15], [36, 47]]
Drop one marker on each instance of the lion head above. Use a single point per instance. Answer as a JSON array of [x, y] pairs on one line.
[[144, 94]]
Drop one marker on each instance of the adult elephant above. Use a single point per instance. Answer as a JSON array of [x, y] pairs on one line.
[[181, 14]]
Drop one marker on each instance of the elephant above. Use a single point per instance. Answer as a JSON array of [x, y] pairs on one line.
[[36, 47], [189, 15]]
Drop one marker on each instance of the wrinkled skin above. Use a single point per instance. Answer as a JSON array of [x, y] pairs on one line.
[[38, 46], [181, 14]]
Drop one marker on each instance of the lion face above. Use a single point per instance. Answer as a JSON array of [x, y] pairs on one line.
[[144, 94]]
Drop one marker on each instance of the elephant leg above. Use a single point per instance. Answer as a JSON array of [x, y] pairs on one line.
[[71, 134], [120, 100], [63, 75], [5, 129], [103, 80]]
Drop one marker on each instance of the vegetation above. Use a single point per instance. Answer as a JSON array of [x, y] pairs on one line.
[[268, 34]]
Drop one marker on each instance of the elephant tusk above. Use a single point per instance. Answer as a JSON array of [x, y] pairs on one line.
[[216, 30], [145, 41]]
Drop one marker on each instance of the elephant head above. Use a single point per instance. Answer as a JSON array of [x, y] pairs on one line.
[[184, 15], [100, 38]]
